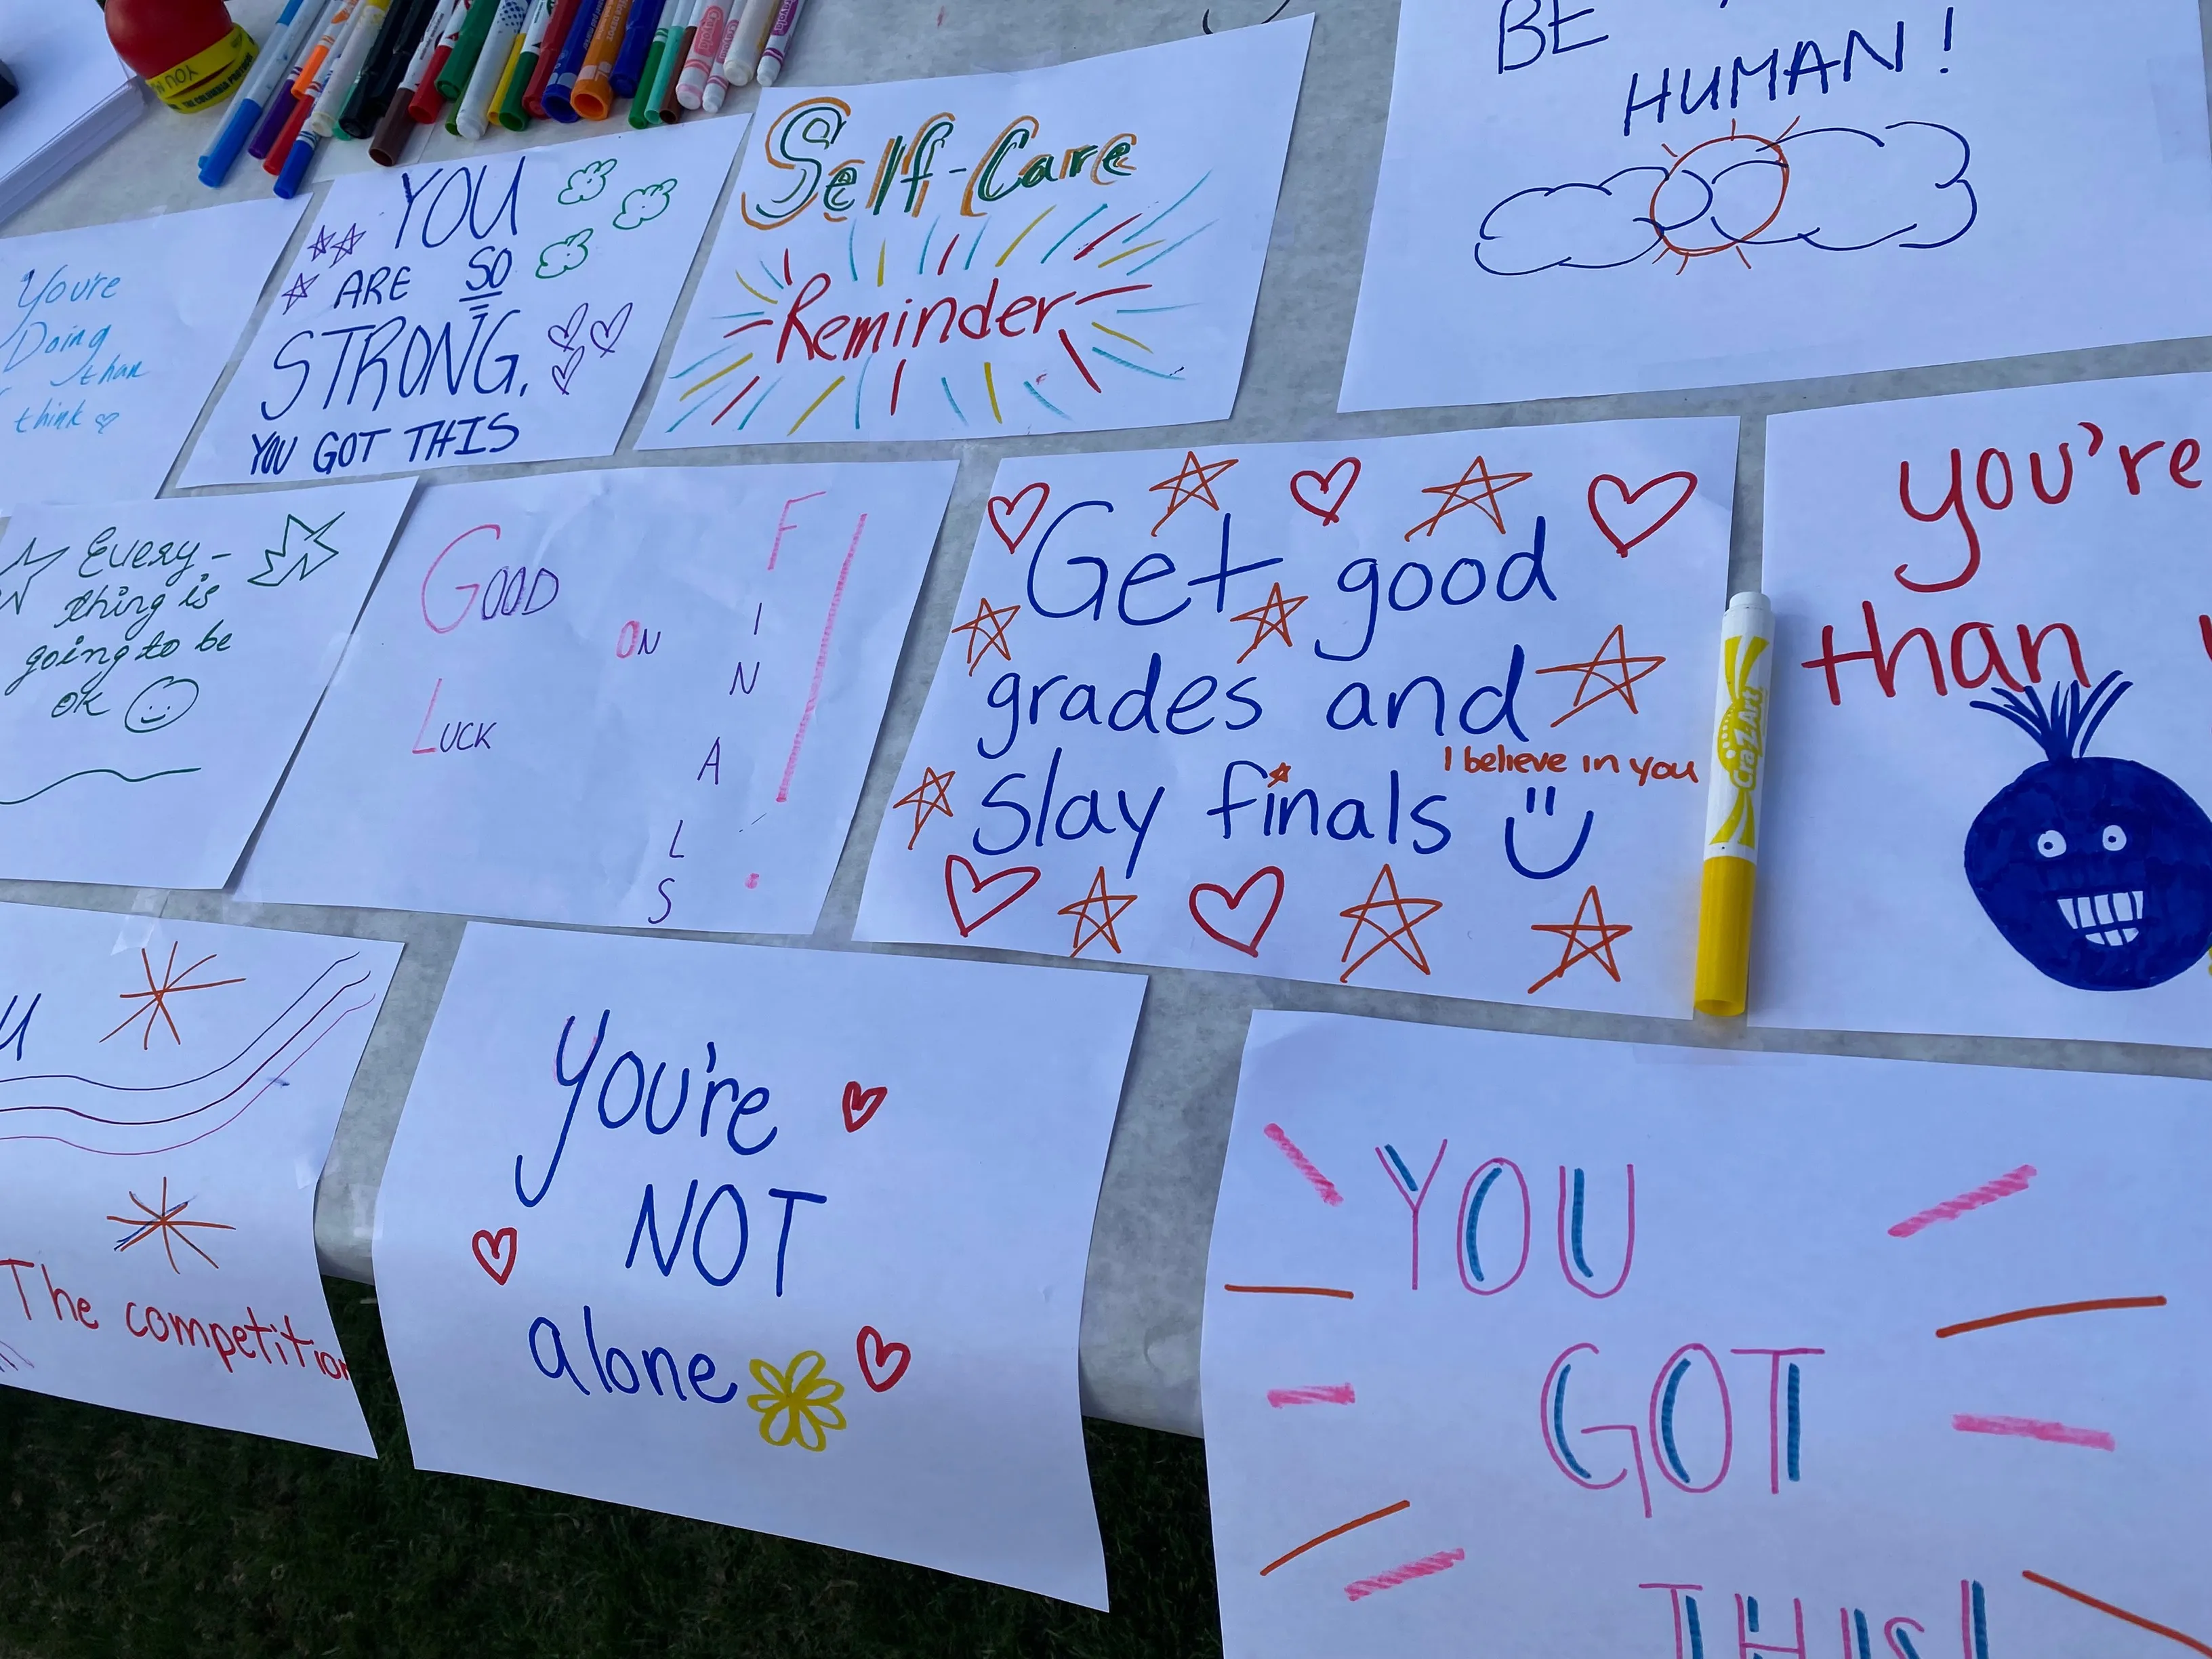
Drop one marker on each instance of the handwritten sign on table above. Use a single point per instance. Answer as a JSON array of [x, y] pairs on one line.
[[499, 308], [160, 659], [765, 1238], [1061, 250], [1594, 1349], [1988, 810], [641, 697], [168, 1094], [113, 338], [1426, 713], [1608, 197]]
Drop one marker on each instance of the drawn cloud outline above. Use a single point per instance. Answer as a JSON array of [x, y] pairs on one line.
[[555, 261], [586, 182], [1601, 226], [642, 206]]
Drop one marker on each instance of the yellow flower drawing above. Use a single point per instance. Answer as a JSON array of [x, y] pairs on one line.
[[799, 1406]]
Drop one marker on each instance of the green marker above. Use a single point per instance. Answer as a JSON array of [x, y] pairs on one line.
[[453, 79], [638, 106], [513, 115], [660, 66]]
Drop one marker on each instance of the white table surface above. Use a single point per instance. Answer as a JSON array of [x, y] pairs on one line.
[[1144, 1299]]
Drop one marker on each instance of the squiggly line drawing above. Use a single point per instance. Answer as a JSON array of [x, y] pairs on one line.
[[97, 772], [1206, 19], [261, 1065]]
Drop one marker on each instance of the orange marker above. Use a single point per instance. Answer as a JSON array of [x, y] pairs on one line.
[[281, 151], [341, 15], [593, 96]]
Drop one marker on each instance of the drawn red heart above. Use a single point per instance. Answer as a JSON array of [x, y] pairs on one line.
[[1250, 947], [1630, 497], [977, 884], [860, 1104], [567, 336], [1332, 502], [894, 1355], [496, 1252], [1012, 505]]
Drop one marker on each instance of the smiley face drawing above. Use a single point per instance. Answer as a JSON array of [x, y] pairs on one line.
[[2098, 871], [164, 703]]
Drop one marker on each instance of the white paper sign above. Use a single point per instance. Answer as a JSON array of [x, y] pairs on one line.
[[633, 698], [161, 660], [451, 313], [112, 340], [1062, 250], [785, 1239], [1598, 196], [1994, 819], [168, 1094], [1555, 1346], [1425, 713]]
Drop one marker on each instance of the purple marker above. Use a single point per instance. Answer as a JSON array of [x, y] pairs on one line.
[[272, 122]]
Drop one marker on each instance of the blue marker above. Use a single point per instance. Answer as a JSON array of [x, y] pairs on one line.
[[253, 98], [563, 81], [339, 72], [637, 41], [296, 163]]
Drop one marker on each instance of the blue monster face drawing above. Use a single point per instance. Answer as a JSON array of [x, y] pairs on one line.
[[2098, 871]]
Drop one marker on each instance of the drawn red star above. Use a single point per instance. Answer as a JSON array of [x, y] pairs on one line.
[[155, 997], [987, 632], [1182, 488], [1614, 669], [1603, 932], [1456, 495], [1402, 937], [1280, 775], [1273, 617], [1109, 907], [927, 798]]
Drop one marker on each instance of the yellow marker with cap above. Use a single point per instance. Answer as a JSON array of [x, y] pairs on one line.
[[1739, 769]]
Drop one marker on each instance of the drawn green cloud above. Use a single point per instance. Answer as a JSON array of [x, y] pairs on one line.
[[565, 255], [643, 206], [586, 183]]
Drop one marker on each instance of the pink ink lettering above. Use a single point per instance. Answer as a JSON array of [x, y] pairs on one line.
[[1415, 1195]]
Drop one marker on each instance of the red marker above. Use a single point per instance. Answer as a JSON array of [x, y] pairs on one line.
[[428, 102]]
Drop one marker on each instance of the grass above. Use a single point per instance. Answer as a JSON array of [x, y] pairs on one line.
[[129, 1536]]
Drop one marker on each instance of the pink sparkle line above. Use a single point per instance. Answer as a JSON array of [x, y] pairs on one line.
[[2029, 1429], [1397, 1576], [1329, 1393], [2003, 1186], [821, 661], [1321, 1182]]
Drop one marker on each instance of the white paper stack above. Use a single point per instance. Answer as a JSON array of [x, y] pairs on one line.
[[76, 97]]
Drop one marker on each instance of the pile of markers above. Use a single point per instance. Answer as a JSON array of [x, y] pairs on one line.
[[378, 69]]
